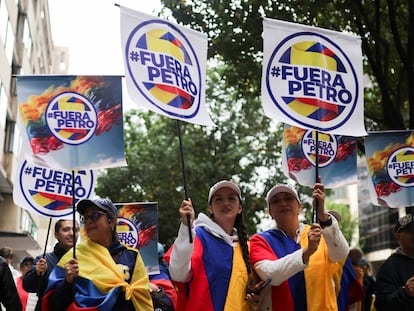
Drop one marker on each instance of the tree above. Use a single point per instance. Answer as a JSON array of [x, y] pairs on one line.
[[235, 149], [245, 146], [347, 223], [234, 29]]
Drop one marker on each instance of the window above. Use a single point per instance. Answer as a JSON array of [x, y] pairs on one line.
[[10, 137], [4, 18], [27, 38]]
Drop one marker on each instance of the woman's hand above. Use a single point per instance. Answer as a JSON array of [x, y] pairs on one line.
[[253, 295], [314, 237], [186, 208], [72, 270], [318, 196]]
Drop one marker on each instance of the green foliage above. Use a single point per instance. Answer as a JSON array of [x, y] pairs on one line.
[[235, 150], [245, 146], [234, 29], [347, 224]]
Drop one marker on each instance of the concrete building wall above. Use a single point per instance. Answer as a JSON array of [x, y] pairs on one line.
[[26, 48]]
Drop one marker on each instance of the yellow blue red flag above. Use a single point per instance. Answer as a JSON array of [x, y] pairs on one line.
[[165, 66], [390, 162], [48, 191], [67, 121], [337, 157], [312, 78]]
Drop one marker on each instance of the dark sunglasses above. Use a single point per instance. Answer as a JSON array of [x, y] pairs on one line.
[[94, 217], [404, 221]]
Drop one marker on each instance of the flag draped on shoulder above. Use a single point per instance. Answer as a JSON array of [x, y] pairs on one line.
[[101, 281], [390, 162], [165, 66], [337, 157], [67, 121], [313, 78]]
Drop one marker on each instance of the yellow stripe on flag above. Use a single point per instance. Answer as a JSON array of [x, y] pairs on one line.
[[65, 134], [122, 228], [154, 43], [161, 95], [299, 56], [404, 157], [65, 105], [302, 108], [321, 136], [41, 200]]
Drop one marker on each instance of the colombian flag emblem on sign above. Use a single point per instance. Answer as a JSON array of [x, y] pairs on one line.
[[67, 121], [165, 66], [312, 78], [159, 40]]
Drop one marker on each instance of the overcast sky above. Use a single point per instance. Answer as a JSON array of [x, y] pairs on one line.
[[91, 31]]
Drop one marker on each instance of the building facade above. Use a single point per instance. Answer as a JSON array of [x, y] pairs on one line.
[[26, 49], [375, 231]]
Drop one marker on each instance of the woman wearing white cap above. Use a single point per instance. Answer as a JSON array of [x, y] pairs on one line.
[[300, 259], [212, 272]]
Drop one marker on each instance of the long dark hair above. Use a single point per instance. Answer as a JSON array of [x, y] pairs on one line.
[[243, 239], [242, 235]]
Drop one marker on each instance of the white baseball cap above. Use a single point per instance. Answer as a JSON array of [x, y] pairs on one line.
[[223, 184], [279, 188]]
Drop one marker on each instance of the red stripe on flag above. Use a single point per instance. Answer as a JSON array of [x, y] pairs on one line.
[[56, 197], [318, 103], [174, 90]]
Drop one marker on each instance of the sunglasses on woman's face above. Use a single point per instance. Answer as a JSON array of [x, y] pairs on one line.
[[93, 217]]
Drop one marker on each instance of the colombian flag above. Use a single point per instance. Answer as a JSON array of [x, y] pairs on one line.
[[219, 276], [101, 280], [349, 288], [310, 289]]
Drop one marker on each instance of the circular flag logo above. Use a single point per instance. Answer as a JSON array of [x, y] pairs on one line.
[[49, 191], [127, 232], [400, 166], [71, 118], [312, 81], [164, 68], [327, 148]]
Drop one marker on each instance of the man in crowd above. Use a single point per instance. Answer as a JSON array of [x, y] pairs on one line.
[[35, 281]]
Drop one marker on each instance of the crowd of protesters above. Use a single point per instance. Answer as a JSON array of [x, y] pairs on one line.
[[213, 264]]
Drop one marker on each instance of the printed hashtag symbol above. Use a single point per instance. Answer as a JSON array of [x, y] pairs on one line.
[[28, 170], [50, 115], [275, 71], [134, 56]]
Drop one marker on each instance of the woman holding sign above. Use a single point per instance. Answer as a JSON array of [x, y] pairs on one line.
[[212, 272], [105, 275], [300, 259]]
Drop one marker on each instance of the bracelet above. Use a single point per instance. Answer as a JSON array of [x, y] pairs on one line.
[[326, 223]]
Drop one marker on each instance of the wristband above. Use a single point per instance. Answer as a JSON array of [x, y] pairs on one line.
[[159, 293], [326, 223]]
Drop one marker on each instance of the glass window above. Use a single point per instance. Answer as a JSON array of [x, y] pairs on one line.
[[4, 18], [27, 38], [9, 44], [3, 107], [9, 139]]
